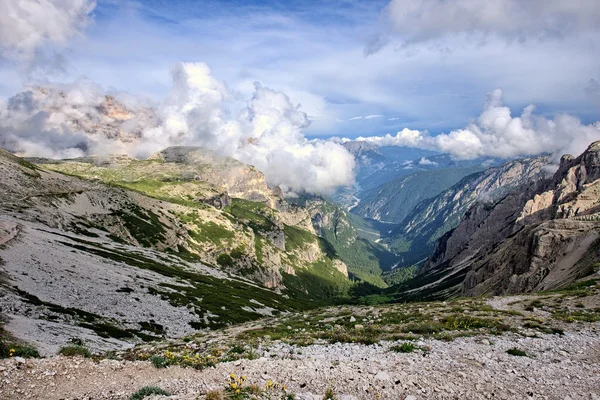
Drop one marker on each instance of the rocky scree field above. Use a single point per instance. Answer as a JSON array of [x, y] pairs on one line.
[[539, 346]]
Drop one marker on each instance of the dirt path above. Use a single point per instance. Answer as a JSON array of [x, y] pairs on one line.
[[557, 367]]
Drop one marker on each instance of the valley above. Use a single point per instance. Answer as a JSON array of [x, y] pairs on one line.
[[192, 260]]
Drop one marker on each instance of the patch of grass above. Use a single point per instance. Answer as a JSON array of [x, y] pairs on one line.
[[144, 225], [148, 391], [296, 238], [329, 394], [75, 350], [579, 315], [254, 215], [516, 352], [8, 349], [406, 347], [214, 395], [209, 231]]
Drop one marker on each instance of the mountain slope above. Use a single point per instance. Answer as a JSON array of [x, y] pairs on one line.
[[82, 258], [417, 234], [394, 200], [542, 237], [366, 260]]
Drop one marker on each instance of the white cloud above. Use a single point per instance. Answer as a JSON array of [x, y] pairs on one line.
[[497, 133], [515, 20], [26, 25], [425, 161], [367, 117], [70, 121], [393, 119], [293, 53]]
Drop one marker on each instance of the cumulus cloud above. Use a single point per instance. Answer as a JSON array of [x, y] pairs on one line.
[[497, 133], [27, 25], [79, 119], [63, 121], [425, 161]]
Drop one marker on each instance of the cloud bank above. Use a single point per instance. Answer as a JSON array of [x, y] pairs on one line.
[[27, 25], [79, 119], [515, 20], [497, 133]]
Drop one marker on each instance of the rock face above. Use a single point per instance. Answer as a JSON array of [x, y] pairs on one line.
[[542, 237], [237, 179], [415, 238], [103, 116]]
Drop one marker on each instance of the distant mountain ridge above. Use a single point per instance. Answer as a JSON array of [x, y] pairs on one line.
[[543, 236], [416, 236], [394, 200]]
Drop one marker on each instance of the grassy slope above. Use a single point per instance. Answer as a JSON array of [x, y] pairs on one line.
[[314, 283]]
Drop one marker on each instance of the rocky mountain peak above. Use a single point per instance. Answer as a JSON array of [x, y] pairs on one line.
[[573, 172]]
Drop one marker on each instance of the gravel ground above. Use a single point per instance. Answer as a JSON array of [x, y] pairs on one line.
[[558, 367]]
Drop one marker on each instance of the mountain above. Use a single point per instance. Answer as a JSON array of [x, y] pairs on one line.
[[375, 163], [416, 236], [116, 250], [89, 113], [394, 200], [415, 161], [543, 236], [352, 240]]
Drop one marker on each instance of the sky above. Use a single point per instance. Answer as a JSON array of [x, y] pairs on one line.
[[315, 53], [506, 78]]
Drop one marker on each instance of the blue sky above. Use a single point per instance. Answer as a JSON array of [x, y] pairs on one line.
[[314, 51]]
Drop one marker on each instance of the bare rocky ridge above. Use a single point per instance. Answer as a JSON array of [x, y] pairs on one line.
[[543, 237], [102, 116]]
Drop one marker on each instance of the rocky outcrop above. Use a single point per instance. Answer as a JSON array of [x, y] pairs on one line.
[[542, 237], [103, 116], [237, 179]]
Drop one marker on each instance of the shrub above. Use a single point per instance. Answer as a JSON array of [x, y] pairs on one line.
[[74, 350], [159, 361], [516, 352], [148, 391], [225, 260]]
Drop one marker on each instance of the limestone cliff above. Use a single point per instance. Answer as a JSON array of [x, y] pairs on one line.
[[543, 236], [415, 238]]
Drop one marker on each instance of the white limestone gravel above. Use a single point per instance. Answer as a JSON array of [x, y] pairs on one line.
[[558, 367]]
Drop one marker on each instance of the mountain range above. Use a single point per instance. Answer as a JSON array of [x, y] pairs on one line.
[[118, 251]]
